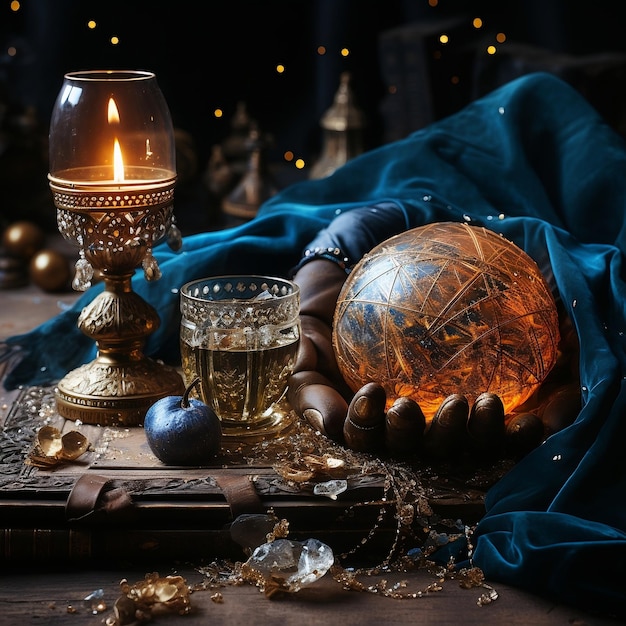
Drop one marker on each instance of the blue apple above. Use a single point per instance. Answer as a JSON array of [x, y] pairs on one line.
[[182, 430]]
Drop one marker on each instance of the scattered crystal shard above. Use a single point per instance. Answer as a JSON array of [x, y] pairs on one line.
[[331, 488], [289, 565], [94, 602]]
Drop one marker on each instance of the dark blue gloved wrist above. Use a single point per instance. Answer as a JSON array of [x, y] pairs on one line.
[[354, 233]]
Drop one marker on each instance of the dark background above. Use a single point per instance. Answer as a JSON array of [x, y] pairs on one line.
[[210, 54]]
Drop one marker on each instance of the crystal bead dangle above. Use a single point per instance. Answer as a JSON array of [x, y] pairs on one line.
[[83, 273], [151, 269], [174, 237]]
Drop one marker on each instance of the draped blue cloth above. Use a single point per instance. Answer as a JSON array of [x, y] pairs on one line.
[[536, 163]]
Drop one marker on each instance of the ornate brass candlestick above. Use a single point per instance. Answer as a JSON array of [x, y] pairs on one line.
[[112, 175]]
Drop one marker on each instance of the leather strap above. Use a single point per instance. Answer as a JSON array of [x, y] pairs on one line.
[[93, 497], [239, 491]]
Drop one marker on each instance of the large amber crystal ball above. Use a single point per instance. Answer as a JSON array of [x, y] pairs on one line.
[[446, 308]]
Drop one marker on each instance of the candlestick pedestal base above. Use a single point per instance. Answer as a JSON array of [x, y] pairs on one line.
[[111, 394], [121, 383]]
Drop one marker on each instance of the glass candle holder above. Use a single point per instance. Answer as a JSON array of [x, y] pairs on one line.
[[112, 175]]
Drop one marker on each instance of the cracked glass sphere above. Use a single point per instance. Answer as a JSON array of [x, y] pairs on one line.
[[446, 308]]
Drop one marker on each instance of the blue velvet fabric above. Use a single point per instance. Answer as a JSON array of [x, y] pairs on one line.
[[535, 162]]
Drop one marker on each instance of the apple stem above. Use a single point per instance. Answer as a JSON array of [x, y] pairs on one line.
[[185, 401]]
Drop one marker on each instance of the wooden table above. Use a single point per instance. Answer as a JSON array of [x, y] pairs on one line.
[[53, 594], [28, 598]]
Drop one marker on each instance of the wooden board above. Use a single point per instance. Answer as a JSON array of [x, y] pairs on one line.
[[147, 509]]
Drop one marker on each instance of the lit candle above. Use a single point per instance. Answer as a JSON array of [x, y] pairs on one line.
[[112, 175], [118, 163], [110, 136], [113, 117]]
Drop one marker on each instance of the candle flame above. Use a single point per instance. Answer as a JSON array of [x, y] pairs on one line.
[[118, 163], [113, 114]]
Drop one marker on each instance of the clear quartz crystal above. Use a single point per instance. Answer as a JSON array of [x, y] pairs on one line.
[[94, 602], [331, 488], [294, 563], [83, 273], [151, 268]]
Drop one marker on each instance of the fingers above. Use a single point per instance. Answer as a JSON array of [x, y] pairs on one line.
[[562, 408], [313, 397], [404, 426], [364, 428], [454, 432], [307, 355], [316, 353], [485, 426], [317, 390], [524, 432], [447, 433], [317, 348]]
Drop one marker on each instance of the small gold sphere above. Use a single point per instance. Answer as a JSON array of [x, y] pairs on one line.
[[50, 271], [23, 239]]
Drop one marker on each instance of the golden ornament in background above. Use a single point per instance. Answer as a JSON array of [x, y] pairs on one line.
[[50, 271], [23, 239], [343, 125]]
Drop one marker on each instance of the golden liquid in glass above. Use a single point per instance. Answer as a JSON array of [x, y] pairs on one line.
[[242, 386]]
